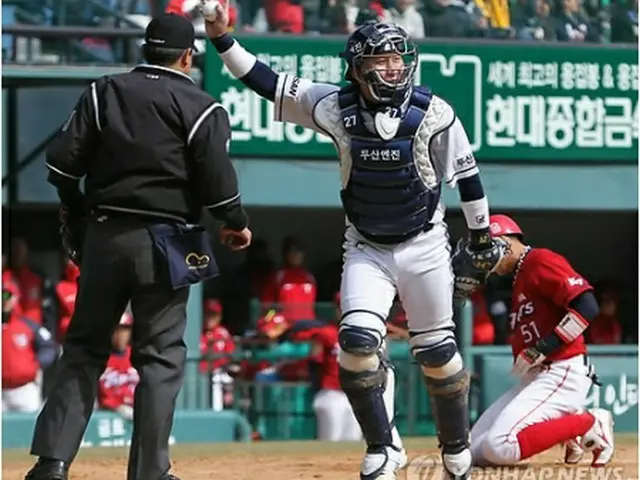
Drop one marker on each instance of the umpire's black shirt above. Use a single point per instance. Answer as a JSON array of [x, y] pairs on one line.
[[150, 142]]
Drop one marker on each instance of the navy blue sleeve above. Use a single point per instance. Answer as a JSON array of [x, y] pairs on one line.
[[45, 346], [261, 78], [586, 305], [470, 188]]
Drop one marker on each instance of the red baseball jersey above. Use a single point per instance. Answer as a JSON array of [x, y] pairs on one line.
[[66, 292], [215, 342], [30, 293], [325, 353], [293, 292], [118, 382], [543, 289], [20, 363]]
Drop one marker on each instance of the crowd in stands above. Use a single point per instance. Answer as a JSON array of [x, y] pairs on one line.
[[37, 311], [600, 21]]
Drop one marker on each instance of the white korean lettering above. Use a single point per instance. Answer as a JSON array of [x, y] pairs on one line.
[[593, 76], [502, 74], [560, 122], [551, 74], [289, 65], [308, 67], [589, 122], [634, 121], [567, 76], [618, 122], [238, 104], [296, 134], [581, 79], [263, 124], [276, 63], [608, 80], [500, 121], [321, 138], [322, 69], [264, 58], [538, 75], [529, 130], [623, 77], [525, 74], [104, 428], [335, 69], [117, 427]]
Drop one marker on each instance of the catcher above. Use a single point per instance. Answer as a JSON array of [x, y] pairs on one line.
[[552, 306]]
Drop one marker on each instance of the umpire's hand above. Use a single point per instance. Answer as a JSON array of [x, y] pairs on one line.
[[236, 240]]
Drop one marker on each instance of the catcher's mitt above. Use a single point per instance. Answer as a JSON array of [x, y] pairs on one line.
[[472, 267], [73, 226]]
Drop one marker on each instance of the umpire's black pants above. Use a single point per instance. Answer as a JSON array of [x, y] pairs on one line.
[[118, 266]]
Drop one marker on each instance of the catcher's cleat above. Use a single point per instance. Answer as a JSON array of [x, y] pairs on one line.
[[382, 463]]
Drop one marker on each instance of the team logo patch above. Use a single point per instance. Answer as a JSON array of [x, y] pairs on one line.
[[20, 340]]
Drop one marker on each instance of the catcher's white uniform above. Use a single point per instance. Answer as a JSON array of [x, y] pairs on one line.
[[419, 268]]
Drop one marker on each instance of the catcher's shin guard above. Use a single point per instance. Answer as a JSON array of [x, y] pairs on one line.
[[448, 384], [450, 404], [365, 391]]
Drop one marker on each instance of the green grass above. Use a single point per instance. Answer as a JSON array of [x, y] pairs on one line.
[[257, 448]]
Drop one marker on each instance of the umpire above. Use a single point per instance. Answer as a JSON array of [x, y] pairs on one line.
[[153, 150]]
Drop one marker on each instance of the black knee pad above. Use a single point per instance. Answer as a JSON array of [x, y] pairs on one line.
[[436, 355], [356, 339]]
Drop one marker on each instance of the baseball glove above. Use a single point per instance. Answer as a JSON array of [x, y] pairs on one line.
[[472, 267]]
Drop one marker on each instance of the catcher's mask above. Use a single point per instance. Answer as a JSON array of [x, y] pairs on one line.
[[382, 59]]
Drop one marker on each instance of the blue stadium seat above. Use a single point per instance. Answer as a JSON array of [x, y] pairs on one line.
[[8, 18]]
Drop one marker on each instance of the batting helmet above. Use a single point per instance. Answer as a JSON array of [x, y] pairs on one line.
[[500, 225], [269, 320]]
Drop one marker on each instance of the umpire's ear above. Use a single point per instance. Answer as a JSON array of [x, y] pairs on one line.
[[186, 59]]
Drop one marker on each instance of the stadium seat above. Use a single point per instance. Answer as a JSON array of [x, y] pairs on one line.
[[8, 18]]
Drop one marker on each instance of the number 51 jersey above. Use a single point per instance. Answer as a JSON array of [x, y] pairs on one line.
[[544, 287]]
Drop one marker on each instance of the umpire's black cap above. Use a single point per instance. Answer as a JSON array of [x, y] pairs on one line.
[[170, 31]]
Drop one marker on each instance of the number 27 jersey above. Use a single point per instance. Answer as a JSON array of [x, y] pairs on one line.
[[544, 287]]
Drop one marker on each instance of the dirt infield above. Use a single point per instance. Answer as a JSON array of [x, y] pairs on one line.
[[321, 461]]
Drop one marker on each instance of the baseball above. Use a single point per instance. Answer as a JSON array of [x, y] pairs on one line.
[[209, 10]]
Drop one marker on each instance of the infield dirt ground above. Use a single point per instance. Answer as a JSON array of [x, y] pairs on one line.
[[315, 460]]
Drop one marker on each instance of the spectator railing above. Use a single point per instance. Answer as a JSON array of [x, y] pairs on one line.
[[280, 409], [68, 47]]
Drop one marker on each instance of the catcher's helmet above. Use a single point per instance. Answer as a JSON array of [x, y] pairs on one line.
[[501, 225], [376, 39]]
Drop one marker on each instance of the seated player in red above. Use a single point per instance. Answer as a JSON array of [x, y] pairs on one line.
[[216, 348], [552, 306], [119, 380], [334, 415]]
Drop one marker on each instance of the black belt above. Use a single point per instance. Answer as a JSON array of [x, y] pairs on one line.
[[101, 214]]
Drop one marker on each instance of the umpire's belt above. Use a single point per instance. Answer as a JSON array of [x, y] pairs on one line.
[[183, 252]]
